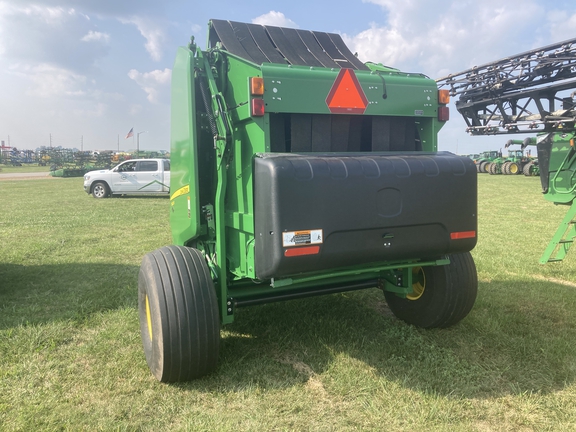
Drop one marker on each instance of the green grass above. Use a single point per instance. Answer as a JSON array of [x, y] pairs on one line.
[[71, 357], [25, 168]]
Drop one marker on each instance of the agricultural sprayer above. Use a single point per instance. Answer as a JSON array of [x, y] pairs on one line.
[[530, 93]]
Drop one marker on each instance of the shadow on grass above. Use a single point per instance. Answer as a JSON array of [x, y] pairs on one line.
[[39, 294], [517, 339]]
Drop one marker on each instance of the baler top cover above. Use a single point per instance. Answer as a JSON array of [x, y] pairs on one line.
[[268, 44]]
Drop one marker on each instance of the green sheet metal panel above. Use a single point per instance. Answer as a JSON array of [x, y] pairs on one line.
[[184, 202], [306, 89], [561, 170]]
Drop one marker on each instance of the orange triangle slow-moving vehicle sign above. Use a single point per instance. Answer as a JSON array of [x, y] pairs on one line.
[[346, 95]]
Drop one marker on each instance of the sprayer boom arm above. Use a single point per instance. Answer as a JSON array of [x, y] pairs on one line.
[[525, 93]]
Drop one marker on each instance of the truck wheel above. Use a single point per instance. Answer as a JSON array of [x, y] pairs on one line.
[[442, 295], [100, 190], [178, 308]]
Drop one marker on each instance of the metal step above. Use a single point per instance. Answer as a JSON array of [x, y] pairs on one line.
[[562, 239]]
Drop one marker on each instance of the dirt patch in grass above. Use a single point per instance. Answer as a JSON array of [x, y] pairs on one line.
[[25, 176]]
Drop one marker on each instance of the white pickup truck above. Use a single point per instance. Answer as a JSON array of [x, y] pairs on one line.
[[134, 177]]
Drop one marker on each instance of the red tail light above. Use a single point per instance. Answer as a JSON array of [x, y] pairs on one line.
[[258, 107], [462, 235], [443, 113], [299, 251]]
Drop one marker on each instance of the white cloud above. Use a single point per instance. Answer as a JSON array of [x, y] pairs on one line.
[[97, 110], [96, 36], [559, 22], [135, 109], [48, 14], [421, 36], [274, 18], [154, 35], [50, 81], [144, 14], [67, 59], [381, 44], [38, 35], [154, 83], [105, 8]]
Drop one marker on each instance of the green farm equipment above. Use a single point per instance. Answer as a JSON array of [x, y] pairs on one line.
[[485, 159], [530, 93], [495, 167], [298, 170], [520, 161], [557, 156], [496, 163], [512, 164], [532, 168]]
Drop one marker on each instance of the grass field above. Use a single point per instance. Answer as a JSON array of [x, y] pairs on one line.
[[71, 357], [5, 169]]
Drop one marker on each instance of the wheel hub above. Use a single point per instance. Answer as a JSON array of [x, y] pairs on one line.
[[148, 318], [418, 283]]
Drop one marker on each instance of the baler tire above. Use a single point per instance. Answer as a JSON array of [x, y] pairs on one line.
[[100, 190], [447, 297], [178, 309]]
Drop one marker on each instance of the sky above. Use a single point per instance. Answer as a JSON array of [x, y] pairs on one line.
[[82, 73]]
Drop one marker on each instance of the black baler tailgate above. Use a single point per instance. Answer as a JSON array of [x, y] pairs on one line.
[[318, 212]]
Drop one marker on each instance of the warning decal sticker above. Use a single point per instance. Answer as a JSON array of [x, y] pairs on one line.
[[299, 238]]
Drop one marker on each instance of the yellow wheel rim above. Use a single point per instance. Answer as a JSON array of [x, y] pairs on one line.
[[513, 168], [418, 283], [148, 317]]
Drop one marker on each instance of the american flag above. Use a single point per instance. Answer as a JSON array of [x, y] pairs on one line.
[[129, 134]]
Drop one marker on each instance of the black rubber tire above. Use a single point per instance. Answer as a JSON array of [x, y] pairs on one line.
[[178, 308], [527, 170], [100, 190], [484, 167], [505, 168], [449, 295]]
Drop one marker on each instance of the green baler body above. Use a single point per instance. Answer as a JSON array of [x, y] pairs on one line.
[[216, 140]]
